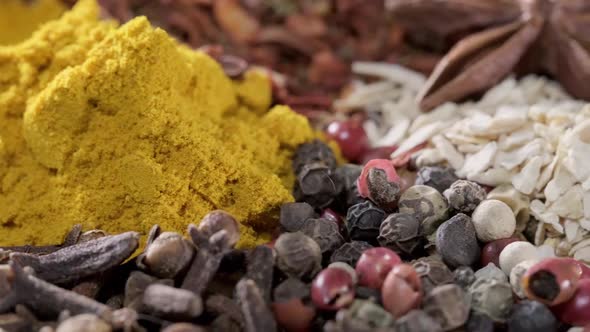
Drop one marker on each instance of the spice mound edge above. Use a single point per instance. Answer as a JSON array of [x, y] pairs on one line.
[[122, 128]]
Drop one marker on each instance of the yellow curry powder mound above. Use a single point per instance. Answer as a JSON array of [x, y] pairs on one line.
[[19, 18], [120, 128]]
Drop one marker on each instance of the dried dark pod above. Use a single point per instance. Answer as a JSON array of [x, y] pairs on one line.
[[171, 303], [401, 233], [167, 255], [81, 260]]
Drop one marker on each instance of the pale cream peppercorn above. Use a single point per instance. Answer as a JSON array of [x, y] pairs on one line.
[[515, 253], [493, 220]]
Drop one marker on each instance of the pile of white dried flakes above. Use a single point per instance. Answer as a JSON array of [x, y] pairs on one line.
[[528, 138]]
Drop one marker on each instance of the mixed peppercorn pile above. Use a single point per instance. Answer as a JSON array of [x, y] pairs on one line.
[[417, 250]]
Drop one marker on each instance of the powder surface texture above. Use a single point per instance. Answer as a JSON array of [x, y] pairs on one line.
[[19, 18], [122, 128]]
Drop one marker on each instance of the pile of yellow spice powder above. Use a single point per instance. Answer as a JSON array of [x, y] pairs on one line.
[[120, 128]]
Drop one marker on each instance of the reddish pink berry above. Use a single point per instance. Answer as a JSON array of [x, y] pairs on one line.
[[491, 251], [374, 265], [576, 311], [380, 183], [293, 315], [333, 216], [402, 290], [552, 281], [332, 289], [351, 138]]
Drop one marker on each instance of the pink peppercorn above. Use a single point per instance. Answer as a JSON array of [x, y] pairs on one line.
[[491, 251], [576, 311], [351, 138], [402, 290], [552, 281], [332, 289], [374, 265], [380, 183]]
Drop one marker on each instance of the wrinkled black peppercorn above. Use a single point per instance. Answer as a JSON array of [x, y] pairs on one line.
[[350, 252], [293, 215], [346, 176], [363, 221], [464, 196], [439, 178], [313, 152], [325, 232], [315, 185], [400, 232]]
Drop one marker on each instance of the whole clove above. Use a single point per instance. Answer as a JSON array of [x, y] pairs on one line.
[[70, 239], [46, 299], [224, 323], [84, 323], [136, 285], [14, 322], [221, 305], [167, 255], [211, 251], [171, 303], [257, 315], [80, 260], [261, 268]]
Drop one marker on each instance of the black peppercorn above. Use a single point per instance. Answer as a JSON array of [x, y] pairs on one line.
[[529, 316], [293, 215], [313, 152], [315, 185], [427, 205], [350, 252], [456, 241], [439, 178], [298, 255], [346, 176], [433, 272], [464, 196], [325, 232], [400, 232], [363, 221]]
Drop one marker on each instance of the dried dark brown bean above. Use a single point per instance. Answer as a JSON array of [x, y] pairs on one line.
[[350, 252], [293, 215], [47, 299], [136, 285], [224, 323], [81, 260], [206, 263], [257, 314], [171, 303], [400, 232], [261, 268], [325, 232], [166, 256], [14, 323], [222, 305], [70, 239]]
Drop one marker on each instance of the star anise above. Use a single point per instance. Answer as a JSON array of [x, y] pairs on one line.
[[512, 36]]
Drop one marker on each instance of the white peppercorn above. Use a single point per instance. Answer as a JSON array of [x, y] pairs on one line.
[[516, 276], [491, 297], [515, 253], [491, 271], [493, 220]]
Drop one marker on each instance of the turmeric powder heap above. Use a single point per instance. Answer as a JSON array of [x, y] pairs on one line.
[[120, 128], [18, 18]]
